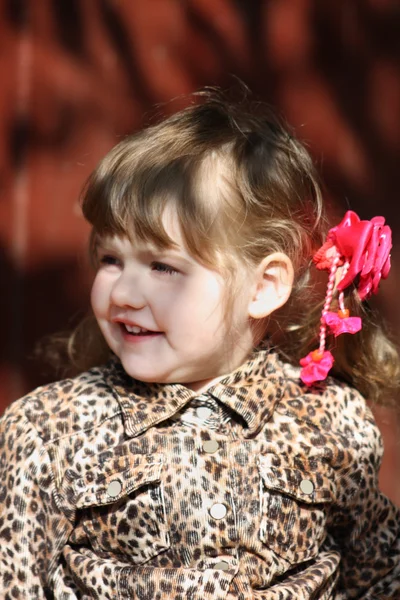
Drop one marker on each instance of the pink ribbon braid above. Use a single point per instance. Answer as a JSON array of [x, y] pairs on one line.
[[362, 248]]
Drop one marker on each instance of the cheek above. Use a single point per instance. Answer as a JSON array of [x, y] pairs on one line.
[[98, 295], [210, 300], [202, 305]]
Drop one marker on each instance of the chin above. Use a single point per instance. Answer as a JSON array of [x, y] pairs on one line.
[[142, 375]]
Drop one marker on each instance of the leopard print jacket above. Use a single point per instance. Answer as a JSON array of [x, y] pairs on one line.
[[257, 489]]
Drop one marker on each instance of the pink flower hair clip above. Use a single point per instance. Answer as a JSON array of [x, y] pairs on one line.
[[362, 249]]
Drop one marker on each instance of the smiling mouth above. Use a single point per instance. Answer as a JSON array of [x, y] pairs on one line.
[[135, 330]]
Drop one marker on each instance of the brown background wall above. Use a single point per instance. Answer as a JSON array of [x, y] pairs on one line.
[[76, 76]]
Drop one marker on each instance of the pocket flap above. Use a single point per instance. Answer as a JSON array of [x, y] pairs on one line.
[[306, 486], [116, 478]]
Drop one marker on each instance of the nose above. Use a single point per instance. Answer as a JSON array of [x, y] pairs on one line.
[[126, 292]]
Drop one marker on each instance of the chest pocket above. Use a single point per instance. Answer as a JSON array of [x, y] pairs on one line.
[[293, 507], [123, 509]]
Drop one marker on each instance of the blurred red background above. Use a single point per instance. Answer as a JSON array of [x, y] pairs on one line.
[[79, 75]]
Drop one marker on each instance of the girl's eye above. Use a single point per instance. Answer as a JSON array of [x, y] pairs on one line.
[[163, 268], [108, 259]]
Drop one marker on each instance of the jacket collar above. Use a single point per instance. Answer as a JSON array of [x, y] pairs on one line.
[[252, 391]]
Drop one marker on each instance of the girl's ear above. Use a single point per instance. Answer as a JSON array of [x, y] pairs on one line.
[[273, 285]]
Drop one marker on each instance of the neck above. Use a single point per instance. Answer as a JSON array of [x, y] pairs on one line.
[[202, 386]]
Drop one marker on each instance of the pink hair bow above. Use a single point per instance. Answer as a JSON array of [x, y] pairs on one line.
[[362, 249], [316, 366], [365, 245], [342, 324]]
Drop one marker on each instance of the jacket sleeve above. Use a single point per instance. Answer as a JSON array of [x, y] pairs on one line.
[[32, 528], [366, 525]]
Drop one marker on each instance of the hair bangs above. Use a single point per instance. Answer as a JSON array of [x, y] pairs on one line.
[[128, 199], [127, 195]]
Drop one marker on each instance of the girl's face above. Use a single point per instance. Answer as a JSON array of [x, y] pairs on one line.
[[162, 312]]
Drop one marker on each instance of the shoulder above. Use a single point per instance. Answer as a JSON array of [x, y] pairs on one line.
[[64, 407], [331, 421], [332, 406]]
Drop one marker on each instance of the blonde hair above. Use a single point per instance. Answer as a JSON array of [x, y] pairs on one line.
[[266, 198]]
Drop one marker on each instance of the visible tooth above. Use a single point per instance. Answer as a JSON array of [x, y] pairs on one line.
[[134, 329]]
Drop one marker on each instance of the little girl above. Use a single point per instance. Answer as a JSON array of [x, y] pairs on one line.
[[194, 459]]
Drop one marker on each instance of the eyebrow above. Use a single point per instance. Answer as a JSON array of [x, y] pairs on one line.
[[108, 244], [104, 244], [174, 254]]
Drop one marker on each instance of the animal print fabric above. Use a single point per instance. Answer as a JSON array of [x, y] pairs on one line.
[[257, 489]]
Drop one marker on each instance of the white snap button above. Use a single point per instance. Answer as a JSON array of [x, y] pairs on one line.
[[203, 412], [114, 488], [222, 565], [218, 511], [307, 487], [210, 446]]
